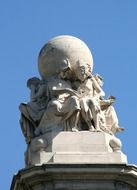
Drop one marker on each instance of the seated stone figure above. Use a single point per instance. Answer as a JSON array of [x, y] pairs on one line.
[[32, 111], [65, 102], [61, 109], [53, 103], [86, 86], [98, 113], [107, 110]]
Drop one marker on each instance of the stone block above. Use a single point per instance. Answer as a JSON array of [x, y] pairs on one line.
[[41, 157], [103, 158], [76, 147], [83, 141], [87, 147]]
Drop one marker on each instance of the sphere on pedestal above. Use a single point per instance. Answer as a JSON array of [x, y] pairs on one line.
[[62, 48]]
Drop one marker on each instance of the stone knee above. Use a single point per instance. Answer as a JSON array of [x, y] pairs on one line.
[[75, 102]]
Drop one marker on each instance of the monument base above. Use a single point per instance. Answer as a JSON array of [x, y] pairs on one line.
[[76, 177], [76, 147]]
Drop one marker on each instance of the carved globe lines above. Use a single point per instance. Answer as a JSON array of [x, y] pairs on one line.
[[63, 48]]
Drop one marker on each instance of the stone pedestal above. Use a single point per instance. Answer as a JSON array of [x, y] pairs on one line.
[[76, 177], [76, 161], [87, 147], [76, 147]]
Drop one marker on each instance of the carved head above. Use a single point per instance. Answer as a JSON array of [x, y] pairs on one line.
[[33, 81], [64, 69], [82, 70]]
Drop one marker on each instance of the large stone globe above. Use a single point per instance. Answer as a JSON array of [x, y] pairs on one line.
[[61, 48]]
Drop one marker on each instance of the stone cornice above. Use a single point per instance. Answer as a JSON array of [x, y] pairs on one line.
[[30, 176]]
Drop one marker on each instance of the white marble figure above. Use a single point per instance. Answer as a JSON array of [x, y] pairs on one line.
[[86, 87], [32, 111], [68, 97], [70, 103]]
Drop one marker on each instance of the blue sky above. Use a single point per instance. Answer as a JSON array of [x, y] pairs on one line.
[[110, 30]]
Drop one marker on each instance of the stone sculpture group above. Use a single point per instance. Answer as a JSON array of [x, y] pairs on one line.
[[69, 97]]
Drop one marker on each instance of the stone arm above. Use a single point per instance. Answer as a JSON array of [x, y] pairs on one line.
[[59, 91], [97, 87]]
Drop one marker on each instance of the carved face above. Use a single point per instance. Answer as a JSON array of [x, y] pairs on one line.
[[33, 82], [82, 71]]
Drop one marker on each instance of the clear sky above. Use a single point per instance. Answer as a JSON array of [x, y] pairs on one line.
[[110, 30]]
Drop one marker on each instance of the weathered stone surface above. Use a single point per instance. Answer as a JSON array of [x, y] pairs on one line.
[[76, 177], [75, 147], [69, 126], [83, 141], [86, 147], [68, 98], [62, 48]]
